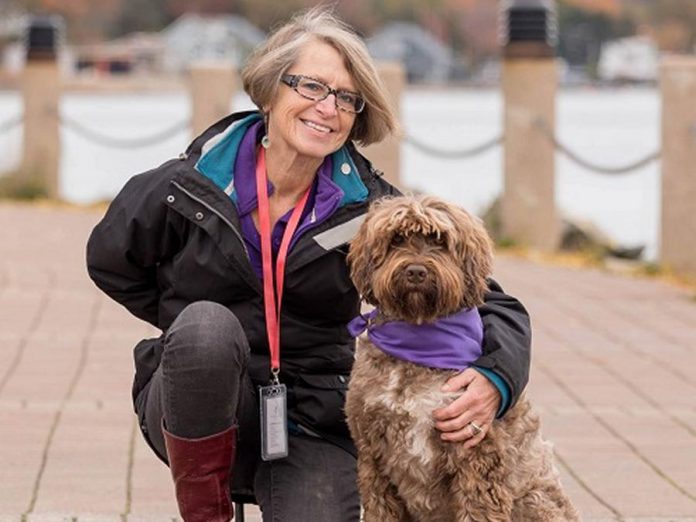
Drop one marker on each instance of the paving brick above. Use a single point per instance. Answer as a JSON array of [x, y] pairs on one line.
[[87, 463], [582, 499], [10, 348], [47, 367], [153, 489], [19, 309], [23, 435], [73, 516], [662, 519], [154, 518]]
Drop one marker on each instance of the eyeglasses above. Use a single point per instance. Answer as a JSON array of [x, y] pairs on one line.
[[315, 90]]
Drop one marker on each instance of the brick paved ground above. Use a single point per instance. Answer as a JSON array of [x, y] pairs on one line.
[[613, 376]]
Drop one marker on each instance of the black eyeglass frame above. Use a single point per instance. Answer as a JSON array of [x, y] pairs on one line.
[[293, 80]]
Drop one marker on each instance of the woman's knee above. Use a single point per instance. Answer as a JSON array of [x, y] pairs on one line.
[[207, 334]]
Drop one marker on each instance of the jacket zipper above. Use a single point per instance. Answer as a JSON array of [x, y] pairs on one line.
[[218, 214]]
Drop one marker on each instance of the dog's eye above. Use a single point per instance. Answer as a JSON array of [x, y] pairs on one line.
[[435, 239], [398, 240]]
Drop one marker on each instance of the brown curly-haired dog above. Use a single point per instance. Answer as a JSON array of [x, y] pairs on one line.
[[418, 260]]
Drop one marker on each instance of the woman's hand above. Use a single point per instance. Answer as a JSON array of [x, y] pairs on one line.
[[469, 417]]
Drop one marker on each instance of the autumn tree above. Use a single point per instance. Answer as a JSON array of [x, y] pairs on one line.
[[582, 31], [141, 15], [671, 22], [85, 20], [178, 7]]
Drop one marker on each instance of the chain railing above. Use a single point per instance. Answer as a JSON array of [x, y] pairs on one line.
[[548, 132], [545, 128], [453, 154], [464, 153], [10, 124], [125, 143]]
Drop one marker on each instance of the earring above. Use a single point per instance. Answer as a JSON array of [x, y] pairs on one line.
[[265, 141]]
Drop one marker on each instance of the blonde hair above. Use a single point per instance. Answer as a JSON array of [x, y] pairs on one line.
[[268, 62]]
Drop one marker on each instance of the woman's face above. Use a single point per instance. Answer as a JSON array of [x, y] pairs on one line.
[[313, 129]]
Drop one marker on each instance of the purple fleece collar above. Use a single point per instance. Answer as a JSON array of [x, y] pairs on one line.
[[452, 342]]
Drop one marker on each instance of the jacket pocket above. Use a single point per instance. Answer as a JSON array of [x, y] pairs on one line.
[[319, 402]]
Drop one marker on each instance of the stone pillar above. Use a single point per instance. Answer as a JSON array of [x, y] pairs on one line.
[[678, 223], [41, 144], [212, 87], [528, 209], [386, 155]]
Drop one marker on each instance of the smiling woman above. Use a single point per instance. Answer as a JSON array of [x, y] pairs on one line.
[[302, 131], [236, 251]]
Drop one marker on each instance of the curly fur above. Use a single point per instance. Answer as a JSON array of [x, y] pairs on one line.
[[405, 471]]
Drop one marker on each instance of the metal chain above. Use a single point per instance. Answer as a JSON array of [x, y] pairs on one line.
[[142, 142], [453, 154], [125, 143], [10, 124], [572, 156]]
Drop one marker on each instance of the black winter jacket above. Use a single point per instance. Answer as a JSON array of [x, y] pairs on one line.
[[172, 237]]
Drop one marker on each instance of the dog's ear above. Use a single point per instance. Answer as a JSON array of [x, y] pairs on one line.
[[359, 261], [474, 248], [368, 249]]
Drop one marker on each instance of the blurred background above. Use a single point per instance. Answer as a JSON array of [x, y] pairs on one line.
[[440, 41], [125, 72]]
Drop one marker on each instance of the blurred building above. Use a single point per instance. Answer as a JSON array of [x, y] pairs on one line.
[[425, 59], [194, 38], [137, 53], [632, 59], [12, 28], [190, 39]]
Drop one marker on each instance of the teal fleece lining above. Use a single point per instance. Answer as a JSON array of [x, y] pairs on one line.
[[217, 163]]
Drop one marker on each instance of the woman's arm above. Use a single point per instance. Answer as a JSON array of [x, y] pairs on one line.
[[507, 339], [126, 246], [506, 354]]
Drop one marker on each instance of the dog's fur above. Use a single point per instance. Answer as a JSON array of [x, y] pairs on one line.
[[405, 471]]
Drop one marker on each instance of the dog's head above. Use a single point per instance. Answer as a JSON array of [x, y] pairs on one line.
[[420, 258]]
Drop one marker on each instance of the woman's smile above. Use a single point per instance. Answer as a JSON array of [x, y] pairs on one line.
[[317, 126]]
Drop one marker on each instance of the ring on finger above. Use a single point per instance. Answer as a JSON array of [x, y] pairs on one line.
[[475, 428]]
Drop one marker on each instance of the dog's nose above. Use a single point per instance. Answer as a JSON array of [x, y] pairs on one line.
[[416, 273]]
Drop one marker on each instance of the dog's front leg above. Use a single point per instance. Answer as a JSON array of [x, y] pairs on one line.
[[381, 502], [478, 491], [481, 507]]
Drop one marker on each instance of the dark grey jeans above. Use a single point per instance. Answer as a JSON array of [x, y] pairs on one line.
[[202, 387]]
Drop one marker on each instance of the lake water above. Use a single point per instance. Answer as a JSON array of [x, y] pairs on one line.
[[608, 127]]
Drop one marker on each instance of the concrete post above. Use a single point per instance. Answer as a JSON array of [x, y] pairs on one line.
[[41, 148], [212, 87], [678, 223], [386, 155], [528, 210]]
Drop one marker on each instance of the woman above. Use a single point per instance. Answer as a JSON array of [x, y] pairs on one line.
[[192, 247]]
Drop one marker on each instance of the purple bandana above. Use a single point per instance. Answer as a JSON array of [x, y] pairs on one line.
[[452, 342]]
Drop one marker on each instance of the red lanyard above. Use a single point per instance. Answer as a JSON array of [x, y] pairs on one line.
[[272, 298]]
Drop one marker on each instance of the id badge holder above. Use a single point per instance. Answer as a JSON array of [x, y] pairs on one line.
[[274, 421]]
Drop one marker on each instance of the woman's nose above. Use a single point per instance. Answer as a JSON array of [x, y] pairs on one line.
[[327, 106]]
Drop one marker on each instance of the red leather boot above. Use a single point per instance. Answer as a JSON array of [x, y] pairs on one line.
[[201, 470]]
